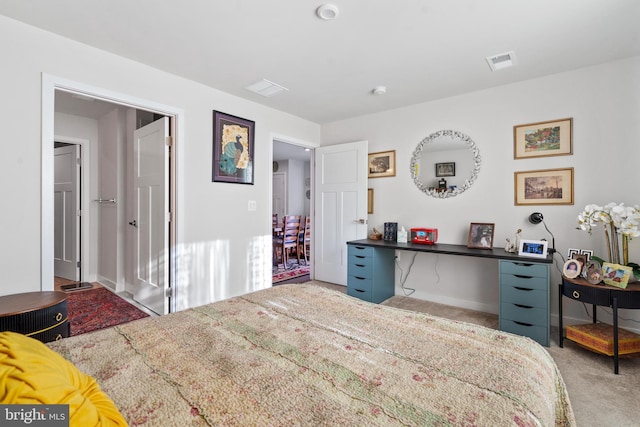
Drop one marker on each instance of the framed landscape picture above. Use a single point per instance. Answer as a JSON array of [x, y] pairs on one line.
[[544, 187], [445, 169], [542, 139], [382, 164]]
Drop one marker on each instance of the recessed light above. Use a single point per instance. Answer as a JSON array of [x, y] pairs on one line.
[[327, 11], [379, 90]]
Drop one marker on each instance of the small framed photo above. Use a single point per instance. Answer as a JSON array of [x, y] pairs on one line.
[[572, 268], [533, 248], [446, 169], [370, 201], [582, 259], [593, 272], [616, 274], [544, 187], [382, 164], [480, 235], [543, 139]]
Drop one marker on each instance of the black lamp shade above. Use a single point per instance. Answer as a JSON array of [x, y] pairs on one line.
[[536, 218]]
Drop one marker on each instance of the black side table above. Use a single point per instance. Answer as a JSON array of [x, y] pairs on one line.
[[40, 315], [599, 295]]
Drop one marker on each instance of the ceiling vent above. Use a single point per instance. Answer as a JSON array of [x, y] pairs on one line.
[[503, 60], [266, 88]]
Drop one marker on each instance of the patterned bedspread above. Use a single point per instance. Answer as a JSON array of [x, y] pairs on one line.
[[306, 355]]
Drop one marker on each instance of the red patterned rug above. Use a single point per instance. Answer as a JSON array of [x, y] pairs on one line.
[[282, 275], [97, 309]]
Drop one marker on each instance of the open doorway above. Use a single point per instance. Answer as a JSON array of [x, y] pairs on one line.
[[107, 196], [292, 199]]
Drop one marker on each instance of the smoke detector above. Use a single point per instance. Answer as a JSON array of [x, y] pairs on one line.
[[327, 11], [379, 90], [502, 60]]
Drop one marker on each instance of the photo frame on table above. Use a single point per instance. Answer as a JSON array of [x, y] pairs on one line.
[[382, 164], [616, 274], [370, 200], [543, 139], [445, 169], [533, 248], [543, 187], [233, 144], [572, 268], [480, 235]]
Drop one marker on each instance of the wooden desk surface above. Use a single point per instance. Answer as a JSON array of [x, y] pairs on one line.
[[448, 249], [21, 303]]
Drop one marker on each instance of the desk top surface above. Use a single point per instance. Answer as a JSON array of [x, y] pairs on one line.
[[448, 249]]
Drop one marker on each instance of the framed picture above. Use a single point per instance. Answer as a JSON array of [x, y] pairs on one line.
[[616, 274], [382, 164], [480, 235], [233, 139], [446, 169], [571, 268], [370, 200], [533, 248], [543, 139], [593, 272], [544, 187]]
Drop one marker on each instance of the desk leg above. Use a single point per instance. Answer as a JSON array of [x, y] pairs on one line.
[[595, 313], [560, 331], [615, 335]]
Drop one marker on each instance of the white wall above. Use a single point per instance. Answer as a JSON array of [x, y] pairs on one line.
[[604, 103], [223, 248]]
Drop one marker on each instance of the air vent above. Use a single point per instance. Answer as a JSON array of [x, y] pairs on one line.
[[266, 88], [500, 61]]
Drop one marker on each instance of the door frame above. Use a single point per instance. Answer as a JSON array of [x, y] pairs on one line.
[[300, 143], [50, 84]]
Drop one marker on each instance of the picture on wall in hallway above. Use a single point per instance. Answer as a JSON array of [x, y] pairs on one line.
[[233, 139]]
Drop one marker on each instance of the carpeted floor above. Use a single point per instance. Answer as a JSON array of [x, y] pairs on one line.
[[598, 396], [99, 308]]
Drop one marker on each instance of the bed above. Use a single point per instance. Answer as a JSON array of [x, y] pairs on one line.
[[307, 355]]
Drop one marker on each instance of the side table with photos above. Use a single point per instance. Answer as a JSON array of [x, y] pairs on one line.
[[600, 337]]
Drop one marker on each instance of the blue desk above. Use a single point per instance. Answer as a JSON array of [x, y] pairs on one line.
[[523, 281]]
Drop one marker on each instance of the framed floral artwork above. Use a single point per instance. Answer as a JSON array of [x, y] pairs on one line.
[[543, 139], [544, 187], [233, 139]]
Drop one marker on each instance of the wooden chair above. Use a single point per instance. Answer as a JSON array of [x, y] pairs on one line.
[[304, 242], [288, 241]]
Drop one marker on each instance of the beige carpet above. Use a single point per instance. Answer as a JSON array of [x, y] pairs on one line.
[[598, 396]]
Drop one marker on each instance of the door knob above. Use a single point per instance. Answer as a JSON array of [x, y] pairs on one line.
[[134, 223], [362, 221]]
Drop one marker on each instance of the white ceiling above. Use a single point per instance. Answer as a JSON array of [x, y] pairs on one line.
[[420, 49]]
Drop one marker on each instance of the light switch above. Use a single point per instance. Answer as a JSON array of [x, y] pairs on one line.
[[252, 205]]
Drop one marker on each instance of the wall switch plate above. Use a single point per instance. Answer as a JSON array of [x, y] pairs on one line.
[[252, 205]]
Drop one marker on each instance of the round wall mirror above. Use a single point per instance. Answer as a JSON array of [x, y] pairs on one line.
[[445, 164]]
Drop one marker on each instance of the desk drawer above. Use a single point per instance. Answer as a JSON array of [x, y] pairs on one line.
[[535, 332], [359, 283], [360, 266], [366, 251], [587, 294], [524, 296], [525, 269], [626, 299], [524, 313], [528, 282]]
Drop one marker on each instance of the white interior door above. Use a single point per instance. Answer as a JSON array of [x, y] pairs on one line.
[[66, 189], [340, 206], [279, 194], [151, 211]]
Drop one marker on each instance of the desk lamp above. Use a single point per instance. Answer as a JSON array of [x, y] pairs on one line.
[[537, 218]]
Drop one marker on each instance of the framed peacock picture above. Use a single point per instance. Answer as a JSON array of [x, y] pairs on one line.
[[232, 149]]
